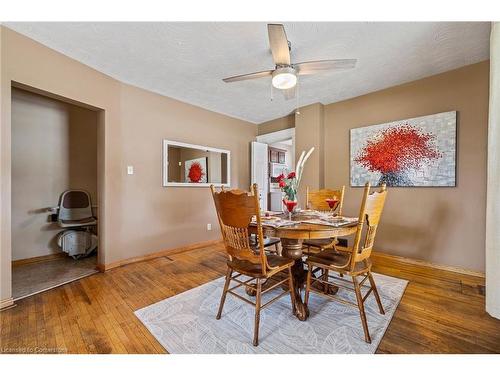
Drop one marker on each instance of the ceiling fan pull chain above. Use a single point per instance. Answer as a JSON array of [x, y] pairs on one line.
[[272, 93]]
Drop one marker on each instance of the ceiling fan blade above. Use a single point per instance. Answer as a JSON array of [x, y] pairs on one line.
[[279, 44], [311, 67], [289, 93], [245, 77]]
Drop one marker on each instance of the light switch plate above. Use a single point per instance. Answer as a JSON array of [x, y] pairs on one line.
[[130, 169]]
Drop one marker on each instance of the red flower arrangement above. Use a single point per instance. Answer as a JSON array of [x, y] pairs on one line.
[[282, 180], [289, 184]]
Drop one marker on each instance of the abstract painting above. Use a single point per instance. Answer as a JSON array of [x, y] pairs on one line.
[[195, 170], [419, 151]]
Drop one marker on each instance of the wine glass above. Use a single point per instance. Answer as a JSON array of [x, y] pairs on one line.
[[290, 206], [332, 203]]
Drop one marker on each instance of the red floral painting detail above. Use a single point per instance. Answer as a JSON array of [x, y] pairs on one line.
[[398, 149], [196, 172]]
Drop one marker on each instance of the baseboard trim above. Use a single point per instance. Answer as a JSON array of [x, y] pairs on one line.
[[158, 254], [43, 258], [6, 303], [376, 256], [381, 256]]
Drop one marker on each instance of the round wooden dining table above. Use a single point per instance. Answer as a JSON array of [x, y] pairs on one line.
[[292, 237]]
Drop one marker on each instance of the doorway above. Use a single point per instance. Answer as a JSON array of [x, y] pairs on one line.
[[54, 149], [272, 154]]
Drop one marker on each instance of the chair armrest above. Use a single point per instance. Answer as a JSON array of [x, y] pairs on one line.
[[53, 210]]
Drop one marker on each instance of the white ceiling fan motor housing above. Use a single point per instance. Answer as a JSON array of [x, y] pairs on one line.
[[284, 78]]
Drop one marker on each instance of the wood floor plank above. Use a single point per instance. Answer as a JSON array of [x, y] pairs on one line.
[[102, 320], [73, 317], [440, 312]]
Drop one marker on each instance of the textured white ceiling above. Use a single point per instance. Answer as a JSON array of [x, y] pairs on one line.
[[187, 61]]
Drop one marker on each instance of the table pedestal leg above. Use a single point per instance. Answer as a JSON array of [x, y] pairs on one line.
[[292, 248], [251, 291]]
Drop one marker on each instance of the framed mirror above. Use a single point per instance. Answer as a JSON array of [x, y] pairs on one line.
[[190, 165]]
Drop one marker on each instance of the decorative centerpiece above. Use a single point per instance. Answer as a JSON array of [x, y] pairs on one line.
[[289, 184]]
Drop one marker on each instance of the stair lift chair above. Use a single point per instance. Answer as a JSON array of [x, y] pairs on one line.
[[74, 214]]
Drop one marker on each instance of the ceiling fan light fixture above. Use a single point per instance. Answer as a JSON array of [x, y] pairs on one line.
[[284, 78]]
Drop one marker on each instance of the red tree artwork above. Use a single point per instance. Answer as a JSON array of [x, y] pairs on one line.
[[396, 150], [196, 172]]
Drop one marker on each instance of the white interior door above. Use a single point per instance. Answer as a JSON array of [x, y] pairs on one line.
[[260, 172]]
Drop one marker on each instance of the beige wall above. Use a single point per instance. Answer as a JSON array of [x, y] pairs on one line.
[[440, 225], [309, 130], [277, 124], [54, 148], [174, 216], [138, 215], [35, 65]]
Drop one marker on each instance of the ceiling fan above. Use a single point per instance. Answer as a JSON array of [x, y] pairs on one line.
[[285, 74]]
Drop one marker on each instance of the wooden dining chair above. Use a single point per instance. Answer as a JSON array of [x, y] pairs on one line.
[[235, 210], [271, 244], [354, 261], [316, 200]]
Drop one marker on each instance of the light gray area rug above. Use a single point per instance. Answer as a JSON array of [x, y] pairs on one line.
[[186, 323]]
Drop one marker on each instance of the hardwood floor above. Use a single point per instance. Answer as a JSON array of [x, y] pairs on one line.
[[441, 311]]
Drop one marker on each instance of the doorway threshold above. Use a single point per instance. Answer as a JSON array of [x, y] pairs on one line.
[[30, 279]]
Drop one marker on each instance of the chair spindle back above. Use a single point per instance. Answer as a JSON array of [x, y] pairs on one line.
[[316, 200], [372, 206], [235, 210]]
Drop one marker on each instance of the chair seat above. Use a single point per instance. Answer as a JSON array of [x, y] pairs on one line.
[[78, 223], [337, 261], [255, 270]]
